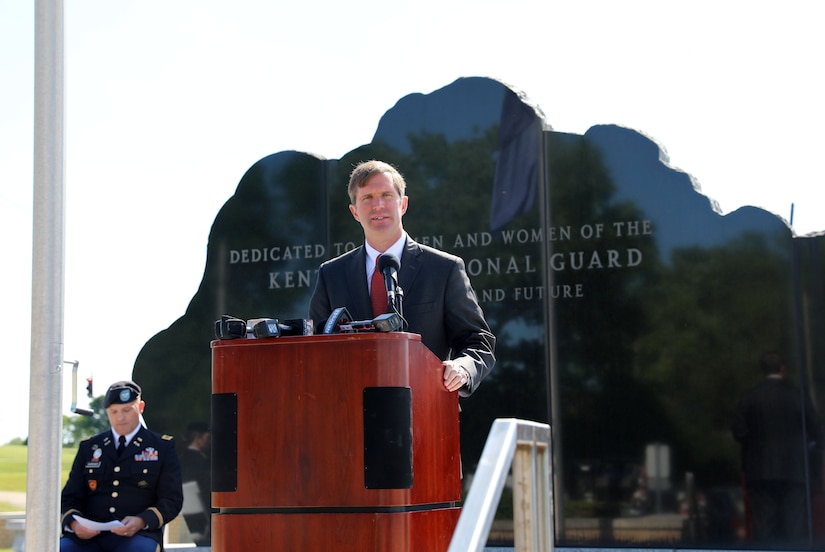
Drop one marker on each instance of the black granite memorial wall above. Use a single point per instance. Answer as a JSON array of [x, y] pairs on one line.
[[630, 313]]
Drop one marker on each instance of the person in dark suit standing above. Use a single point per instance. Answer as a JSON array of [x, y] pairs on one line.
[[777, 430], [128, 474], [439, 301], [196, 467]]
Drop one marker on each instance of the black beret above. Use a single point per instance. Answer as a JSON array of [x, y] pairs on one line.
[[121, 392]]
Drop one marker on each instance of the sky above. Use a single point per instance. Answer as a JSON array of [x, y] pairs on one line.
[[167, 104]]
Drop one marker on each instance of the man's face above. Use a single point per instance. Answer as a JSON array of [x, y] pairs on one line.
[[203, 441], [124, 418], [379, 208]]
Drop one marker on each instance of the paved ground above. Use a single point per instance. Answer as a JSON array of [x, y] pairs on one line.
[[17, 500]]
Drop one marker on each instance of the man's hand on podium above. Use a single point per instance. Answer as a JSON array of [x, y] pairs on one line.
[[455, 377]]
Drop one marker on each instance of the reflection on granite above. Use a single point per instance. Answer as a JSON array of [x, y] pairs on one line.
[[629, 312]]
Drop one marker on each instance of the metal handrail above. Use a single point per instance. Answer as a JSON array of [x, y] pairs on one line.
[[525, 446]]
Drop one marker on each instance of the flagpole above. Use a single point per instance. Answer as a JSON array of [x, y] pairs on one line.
[[46, 370]]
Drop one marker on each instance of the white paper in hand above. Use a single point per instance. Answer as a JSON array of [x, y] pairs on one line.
[[97, 525]]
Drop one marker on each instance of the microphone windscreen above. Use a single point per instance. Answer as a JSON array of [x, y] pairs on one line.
[[388, 260]]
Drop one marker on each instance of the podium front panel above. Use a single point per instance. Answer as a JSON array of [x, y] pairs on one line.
[[300, 435]]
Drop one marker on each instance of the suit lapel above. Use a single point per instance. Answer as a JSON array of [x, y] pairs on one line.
[[136, 446], [357, 284], [109, 447], [410, 265]]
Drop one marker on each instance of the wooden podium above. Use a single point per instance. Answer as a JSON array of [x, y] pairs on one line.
[[332, 442]]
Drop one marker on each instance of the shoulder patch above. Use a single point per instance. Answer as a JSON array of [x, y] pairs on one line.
[[167, 437]]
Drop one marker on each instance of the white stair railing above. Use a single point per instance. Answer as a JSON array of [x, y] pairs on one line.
[[526, 446]]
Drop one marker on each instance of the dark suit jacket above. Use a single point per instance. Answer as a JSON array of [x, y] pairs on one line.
[[196, 466], [439, 304], [143, 481], [768, 425]]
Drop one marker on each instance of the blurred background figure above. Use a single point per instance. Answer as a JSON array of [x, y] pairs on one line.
[[777, 429], [197, 484]]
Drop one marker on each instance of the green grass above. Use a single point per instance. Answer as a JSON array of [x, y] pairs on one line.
[[13, 460]]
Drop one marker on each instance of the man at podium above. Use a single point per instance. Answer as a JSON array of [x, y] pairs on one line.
[[439, 301]]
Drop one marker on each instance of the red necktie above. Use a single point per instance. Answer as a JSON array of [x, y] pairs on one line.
[[378, 291]]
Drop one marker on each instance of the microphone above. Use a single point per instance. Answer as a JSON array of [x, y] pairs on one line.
[[389, 265]]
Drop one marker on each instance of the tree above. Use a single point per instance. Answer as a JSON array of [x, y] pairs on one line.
[[76, 428]]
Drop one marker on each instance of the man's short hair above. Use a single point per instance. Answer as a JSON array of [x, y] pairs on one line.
[[771, 363], [121, 392], [364, 170], [194, 430]]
